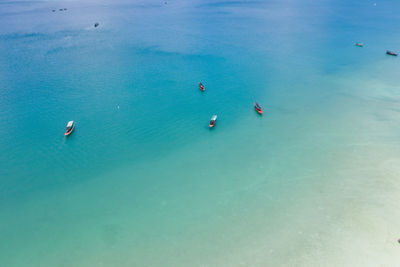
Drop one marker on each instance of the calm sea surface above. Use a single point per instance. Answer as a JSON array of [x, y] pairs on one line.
[[142, 181]]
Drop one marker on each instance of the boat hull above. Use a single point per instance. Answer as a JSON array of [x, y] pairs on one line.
[[201, 87], [258, 108], [391, 53], [69, 132]]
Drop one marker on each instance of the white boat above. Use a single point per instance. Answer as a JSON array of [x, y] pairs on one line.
[[70, 128], [213, 121]]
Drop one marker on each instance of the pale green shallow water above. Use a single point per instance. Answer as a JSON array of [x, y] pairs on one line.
[[313, 182]]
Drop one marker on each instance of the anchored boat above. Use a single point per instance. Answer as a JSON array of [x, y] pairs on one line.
[[70, 128], [213, 121], [201, 86], [391, 53], [258, 108]]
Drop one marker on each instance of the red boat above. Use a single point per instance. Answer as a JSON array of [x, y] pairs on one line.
[[258, 108], [201, 86], [213, 121], [70, 128]]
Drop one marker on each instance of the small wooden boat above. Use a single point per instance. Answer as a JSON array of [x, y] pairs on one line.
[[70, 128], [258, 108], [391, 53], [359, 44], [201, 86], [213, 121], [96, 24]]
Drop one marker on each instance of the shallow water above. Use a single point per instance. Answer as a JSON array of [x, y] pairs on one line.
[[142, 181]]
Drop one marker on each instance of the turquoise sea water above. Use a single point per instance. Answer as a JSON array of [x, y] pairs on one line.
[[142, 181]]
